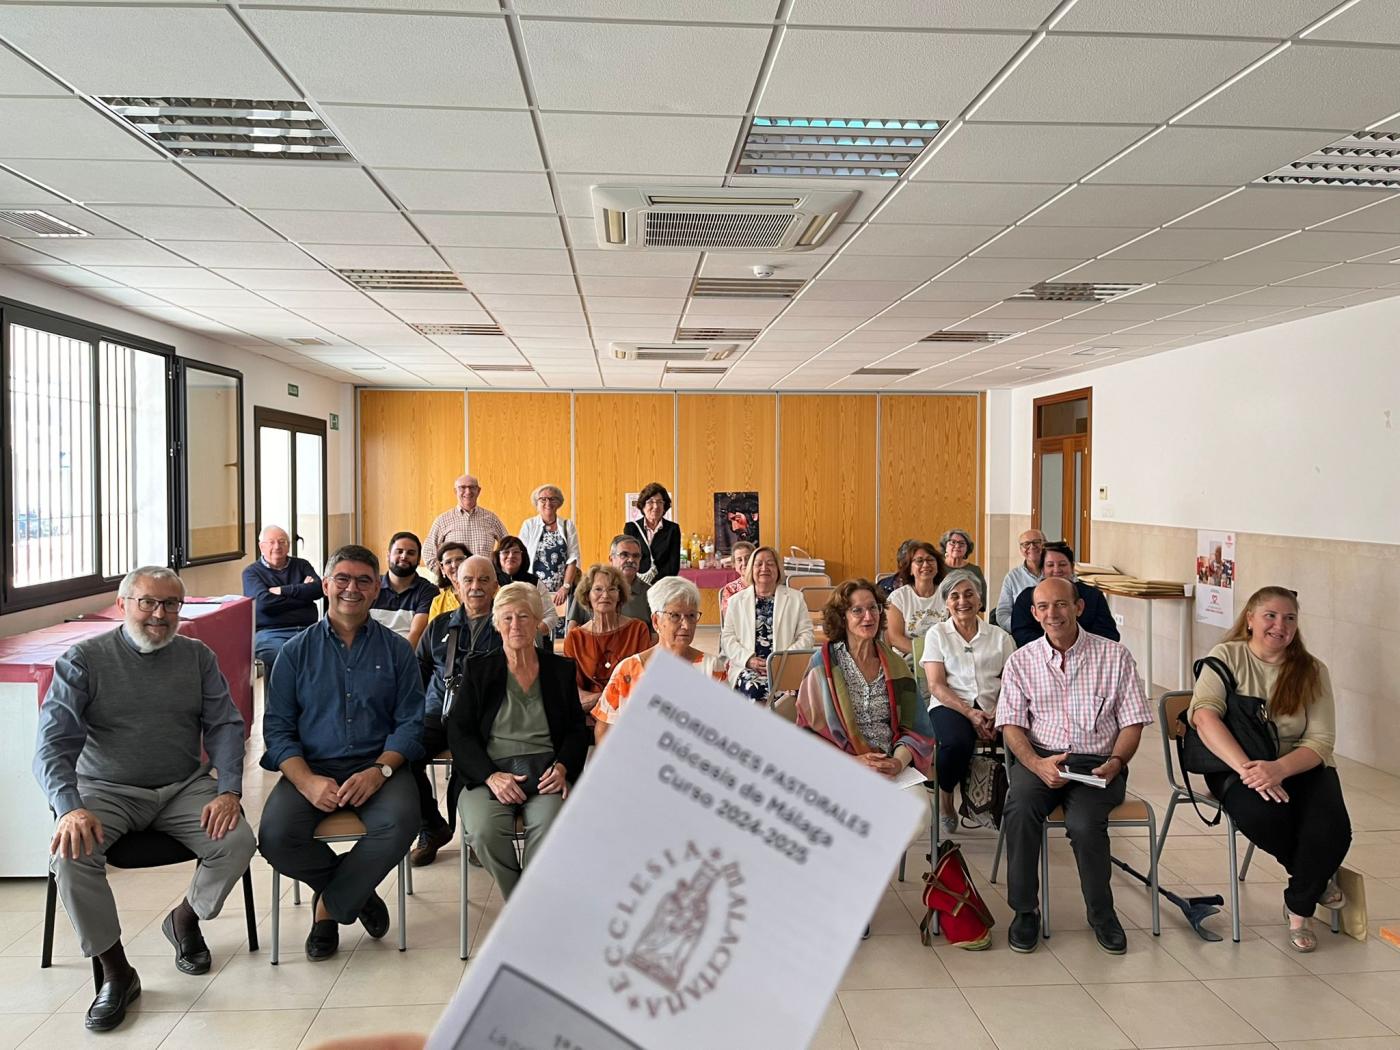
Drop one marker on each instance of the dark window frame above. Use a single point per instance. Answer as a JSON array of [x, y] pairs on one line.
[[181, 544]]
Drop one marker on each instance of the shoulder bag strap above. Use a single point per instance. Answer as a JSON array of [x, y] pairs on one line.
[[1220, 668], [449, 677]]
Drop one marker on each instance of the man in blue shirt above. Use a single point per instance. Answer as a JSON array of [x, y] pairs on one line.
[[404, 597], [344, 714], [285, 592]]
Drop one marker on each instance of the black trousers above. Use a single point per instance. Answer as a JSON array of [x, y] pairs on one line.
[[956, 741], [1309, 834], [434, 743], [1028, 802]]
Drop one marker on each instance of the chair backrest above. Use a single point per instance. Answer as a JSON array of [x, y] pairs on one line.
[[798, 580], [816, 597], [882, 576], [785, 671], [786, 706], [147, 849], [1169, 708]]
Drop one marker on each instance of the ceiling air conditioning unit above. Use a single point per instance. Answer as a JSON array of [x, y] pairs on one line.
[[678, 352], [634, 218]]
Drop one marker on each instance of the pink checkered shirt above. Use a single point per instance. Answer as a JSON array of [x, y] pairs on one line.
[[1080, 707]]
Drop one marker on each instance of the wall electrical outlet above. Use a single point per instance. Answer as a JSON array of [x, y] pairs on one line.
[[1118, 619], [1103, 492]]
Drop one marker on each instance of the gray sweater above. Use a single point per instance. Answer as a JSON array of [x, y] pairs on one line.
[[116, 714]]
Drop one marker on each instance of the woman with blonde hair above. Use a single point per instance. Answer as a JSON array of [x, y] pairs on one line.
[[764, 618], [1291, 806]]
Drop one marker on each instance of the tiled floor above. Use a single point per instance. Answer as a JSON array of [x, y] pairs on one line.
[[1172, 991]]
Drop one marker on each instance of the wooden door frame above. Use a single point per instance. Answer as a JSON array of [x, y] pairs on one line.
[[1082, 553]]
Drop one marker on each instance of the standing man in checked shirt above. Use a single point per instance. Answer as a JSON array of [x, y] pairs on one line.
[[477, 527], [1068, 696]]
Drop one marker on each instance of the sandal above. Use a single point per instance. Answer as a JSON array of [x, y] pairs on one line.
[[1301, 939], [1332, 898]]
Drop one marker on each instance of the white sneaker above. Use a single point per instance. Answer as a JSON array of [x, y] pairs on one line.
[[948, 826]]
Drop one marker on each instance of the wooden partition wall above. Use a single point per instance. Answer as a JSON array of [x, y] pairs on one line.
[[845, 476]]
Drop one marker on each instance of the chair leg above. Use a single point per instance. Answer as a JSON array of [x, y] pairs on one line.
[[933, 843], [50, 906], [409, 868], [1336, 920], [462, 912], [1248, 856], [996, 858], [1235, 878], [96, 975], [902, 858], [276, 911], [1045, 881], [403, 903], [1160, 843], [1152, 877], [250, 910]]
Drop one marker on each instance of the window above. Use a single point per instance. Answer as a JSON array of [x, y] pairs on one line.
[[93, 477]]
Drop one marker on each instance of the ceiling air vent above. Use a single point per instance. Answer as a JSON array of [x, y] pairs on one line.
[[1368, 159], [457, 329], [634, 218], [256, 129], [712, 335], [968, 337], [743, 288], [682, 370], [402, 280], [680, 352], [1035, 368], [1094, 351], [833, 147], [1070, 292], [498, 368], [309, 342], [879, 371], [42, 224]]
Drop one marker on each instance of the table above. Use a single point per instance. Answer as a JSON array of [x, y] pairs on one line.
[[1184, 644], [26, 672]]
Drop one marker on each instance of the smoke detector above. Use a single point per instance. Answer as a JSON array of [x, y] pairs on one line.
[[634, 218]]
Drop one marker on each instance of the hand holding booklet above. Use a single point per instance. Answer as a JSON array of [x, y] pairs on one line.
[[704, 886], [1084, 778]]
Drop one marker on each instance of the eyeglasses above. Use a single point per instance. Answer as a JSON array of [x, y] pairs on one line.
[[924, 561], [468, 488], [675, 618], [170, 605], [859, 611], [359, 583], [550, 499], [625, 556], [1028, 544]]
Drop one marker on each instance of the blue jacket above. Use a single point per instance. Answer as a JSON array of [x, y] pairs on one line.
[[296, 606]]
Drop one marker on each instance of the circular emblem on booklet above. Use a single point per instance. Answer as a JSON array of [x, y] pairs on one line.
[[674, 930]]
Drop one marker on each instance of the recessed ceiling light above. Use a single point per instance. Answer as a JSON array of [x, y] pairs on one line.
[[402, 280], [1074, 292], [968, 337], [457, 329], [744, 288], [876, 370], [1366, 159], [1035, 368], [42, 224], [709, 335], [498, 368], [1093, 351], [309, 342], [682, 370], [833, 147], [257, 129]]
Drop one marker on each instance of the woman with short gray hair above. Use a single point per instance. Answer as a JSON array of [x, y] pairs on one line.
[[551, 547]]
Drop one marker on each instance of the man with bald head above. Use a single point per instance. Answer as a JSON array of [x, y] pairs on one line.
[[286, 594], [467, 523], [1026, 573], [467, 631], [1070, 700]]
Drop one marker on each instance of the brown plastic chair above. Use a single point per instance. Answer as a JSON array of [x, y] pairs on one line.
[[786, 669], [800, 580]]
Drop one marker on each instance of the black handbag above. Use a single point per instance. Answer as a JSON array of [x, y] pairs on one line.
[[532, 767], [1247, 719]]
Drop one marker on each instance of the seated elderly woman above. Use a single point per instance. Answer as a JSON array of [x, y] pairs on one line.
[[963, 660], [956, 546], [608, 637], [517, 736], [914, 606], [1292, 806], [763, 619], [675, 613], [858, 693], [512, 563], [449, 556], [741, 553]]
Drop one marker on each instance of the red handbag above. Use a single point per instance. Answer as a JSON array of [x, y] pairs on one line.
[[964, 919]]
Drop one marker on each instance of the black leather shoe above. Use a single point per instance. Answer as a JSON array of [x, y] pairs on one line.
[[109, 1008], [1111, 937], [429, 842], [1024, 934], [191, 953], [324, 939], [374, 916]]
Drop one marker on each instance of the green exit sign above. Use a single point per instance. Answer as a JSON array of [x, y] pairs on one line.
[[293, 390], [335, 421]]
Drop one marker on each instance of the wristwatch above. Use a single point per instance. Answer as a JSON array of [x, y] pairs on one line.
[[386, 769]]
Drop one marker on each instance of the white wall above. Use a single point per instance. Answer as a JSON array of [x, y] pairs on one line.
[[264, 384], [1292, 430]]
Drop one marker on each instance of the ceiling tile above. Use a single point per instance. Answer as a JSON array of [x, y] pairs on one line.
[[1125, 206], [193, 224], [343, 298], [1348, 275], [886, 268], [1278, 18], [97, 252], [831, 73], [375, 257], [245, 254], [490, 231], [1184, 293], [159, 277], [1026, 152], [972, 203], [285, 280], [1212, 156], [396, 59], [1112, 270], [469, 190], [63, 128], [642, 144], [528, 303], [948, 291], [400, 137], [1180, 242], [1025, 271], [630, 304], [197, 298], [18, 77], [919, 14], [575, 196], [1142, 80], [1040, 242], [875, 291], [1280, 208], [15, 192], [281, 184], [592, 66], [919, 239], [67, 276], [1381, 217], [119, 181], [599, 263], [640, 287], [520, 284], [1247, 269], [741, 264], [509, 260], [342, 227], [1366, 23], [203, 51], [1319, 246]]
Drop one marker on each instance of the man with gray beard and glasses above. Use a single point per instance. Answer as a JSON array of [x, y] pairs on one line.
[[118, 751]]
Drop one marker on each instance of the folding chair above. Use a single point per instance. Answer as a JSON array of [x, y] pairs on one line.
[[816, 598], [1169, 708], [786, 669], [800, 580], [341, 826]]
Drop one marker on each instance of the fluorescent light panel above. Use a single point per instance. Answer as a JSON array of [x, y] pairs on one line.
[[457, 329], [1074, 292], [744, 288], [834, 147], [1367, 159], [42, 224], [402, 280], [231, 127]]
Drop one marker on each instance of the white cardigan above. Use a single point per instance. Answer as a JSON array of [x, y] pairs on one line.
[[531, 529], [792, 626]]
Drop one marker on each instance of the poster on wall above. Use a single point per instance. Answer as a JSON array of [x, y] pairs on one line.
[[736, 518], [1215, 578]]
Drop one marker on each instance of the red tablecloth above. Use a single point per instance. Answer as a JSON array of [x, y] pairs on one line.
[[225, 625], [709, 579]]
